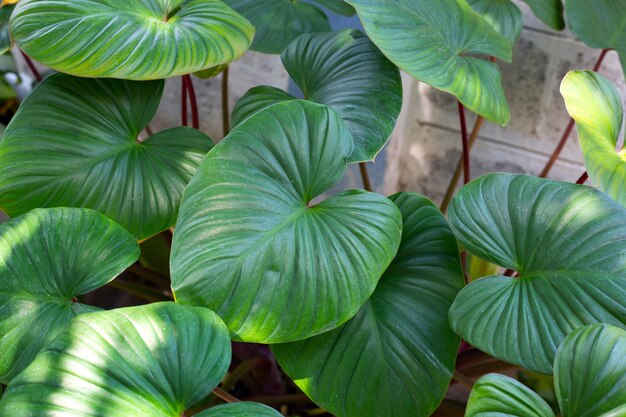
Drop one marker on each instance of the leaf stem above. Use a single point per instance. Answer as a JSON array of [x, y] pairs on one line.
[[367, 184], [583, 178], [225, 107], [195, 119], [183, 102], [148, 275], [465, 140], [140, 291], [568, 130], [32, 67], [462, 379], [225, 396]]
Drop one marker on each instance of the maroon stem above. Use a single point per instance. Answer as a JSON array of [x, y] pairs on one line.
[[466, 147], [583, 178], [225, 108], [183, 102], [195, 120], [367, 184], [570, 127], [32, 66]]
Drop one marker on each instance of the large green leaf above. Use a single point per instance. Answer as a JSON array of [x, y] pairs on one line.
[[399, 346], [566, 241], [47, 257], [278, 22], [595, 104], [498, 395], [137, 40], [150, 361], [337, 6], [590, 372], [503, 15], [74, 143], [250, 244], [599, 23], [549, 11], [240, 409], [435, 42], [345, 71]]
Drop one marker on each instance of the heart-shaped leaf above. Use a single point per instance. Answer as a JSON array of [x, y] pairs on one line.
[[345, 71], [600, 24], [434, 43], [399, 346], [503, 15], [549, 11], [595, 104], [278, 22], [47, 257], [135, 40], [240, 409], [151, 361], [499, 395], [250, 245], [74, 143], [590, 372], [567, 243], [337, 6]]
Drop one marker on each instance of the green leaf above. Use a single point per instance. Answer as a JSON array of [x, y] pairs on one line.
[[138, 40], [590, 372], [47, 257], [435, 42], [343, 70], [73, 143], [151, 361], [211, 72], [250, 244], [567, 243], [600, 24], [503, 15], [337, 6], [399, 346], [549, 11], [595, 105], [240, 409], [499, 395], [5, 36], [278, 22]]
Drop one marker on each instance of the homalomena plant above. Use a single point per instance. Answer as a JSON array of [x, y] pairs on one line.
[[347, 303]]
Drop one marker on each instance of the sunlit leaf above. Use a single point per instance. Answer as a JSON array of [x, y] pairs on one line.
[[47, 257], [399, 346], [73, 143], [139, 39], [250, 244], [345, 71], [438, 43], [567, 243]]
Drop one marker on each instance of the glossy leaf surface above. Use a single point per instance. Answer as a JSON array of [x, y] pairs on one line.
[[436, 42], [565, 240], [503, 15], [595, 105], [399, 346], [151, 361], [345, 71], [278, 22], [499, 395], [133, 39], [74, 143], [240, 409], [250, 245], [47, 257]]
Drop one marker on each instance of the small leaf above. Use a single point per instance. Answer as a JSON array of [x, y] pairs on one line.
[[250, 245], [434, 42], [137, 40], [151, 361], [47, 257], [549, 11], [503, 15], [567, 243], [278, 22], [590, 372], [240, 409], [73, 143], [337, 6], [211, 72], [399, 346], [499, 395], [345, 71], [594, 103]]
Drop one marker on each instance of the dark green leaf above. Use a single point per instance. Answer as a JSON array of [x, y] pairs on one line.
[[47, 257], [549, 11], [503, 15], [250, 244], [138, 40], [74, 143], [434, 42], [241, 409], [278, 22], [399, 347], [337, 6], [5, 36], [566, 241], [345, 71]]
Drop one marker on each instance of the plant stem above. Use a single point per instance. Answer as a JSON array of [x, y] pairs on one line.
[[568, 130], [32, 67], [148, 275], [583, 178], [225, 396], [225, 107], [183, 103], [149, 130], [367, 184], [462, 379], [195, 118], [277, 400], [140, 291], [466, 148]]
